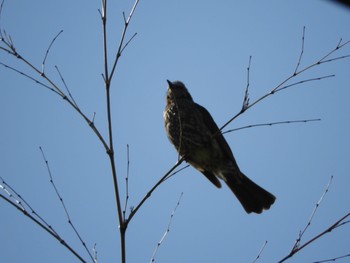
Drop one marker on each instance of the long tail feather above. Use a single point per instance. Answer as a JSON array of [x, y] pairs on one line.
[[252, 197]]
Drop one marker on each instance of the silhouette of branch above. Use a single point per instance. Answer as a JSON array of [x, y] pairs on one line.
[[22, 204], [9, 47], [108, 76], [301, 52], [148, 195], [95, 253], [177, 171], [17, 201], [333, 259], [70, 222], [283, 85], [270, 124], [121, 46], [67, 89], [326, 231], [298, 246], [47, 52], [1, 6], [301, 233], [126, 181], [51, 86], [128, 42], [260, 252], [167, 229], [246, 94], [29, 77]]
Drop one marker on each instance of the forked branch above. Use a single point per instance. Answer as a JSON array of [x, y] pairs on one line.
[[297, 245], [17, 201], [283, 85]]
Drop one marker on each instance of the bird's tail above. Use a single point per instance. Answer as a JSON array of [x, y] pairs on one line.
[[252, 197]]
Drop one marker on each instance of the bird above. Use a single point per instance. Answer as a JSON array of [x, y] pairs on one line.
[[199, 141]]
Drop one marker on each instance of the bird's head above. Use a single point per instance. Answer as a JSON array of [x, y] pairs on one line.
[[177, 91]]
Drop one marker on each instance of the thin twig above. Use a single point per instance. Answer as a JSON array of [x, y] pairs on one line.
[[297, 242], [304, 81], [47, 52], [127, 43], [95, 253], [23, 204], [121, 46], [108, 76], [148, 195], [297, 246], [126, 180], [32, 215], [167, 229], [301, 52], [1, 7], [67, 89], [177, 171], [333, 259], [246, 93], [328, 230], [260, 252], [283, 84], [270, 124], [70, 222], [29, 77], [53, 87], [14, 197]]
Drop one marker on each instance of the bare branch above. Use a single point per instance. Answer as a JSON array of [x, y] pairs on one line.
[[328, 230], [333, 259], [126, 180], [167, 229], [148, 195], [246, 93], [301, 52], [95, 253], [1, 7], [108, 76], [297, 246], [260, 252], [283, 84], [17, 201], [67, 89], [121, 43], [23, 205], [303, 81], [297, 242], [70, 222], [47, 52], [177, 171], [127, 43], [270, 124], [30, 77], [51, 86]]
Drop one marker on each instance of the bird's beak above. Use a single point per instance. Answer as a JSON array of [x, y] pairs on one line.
[[169, 83]]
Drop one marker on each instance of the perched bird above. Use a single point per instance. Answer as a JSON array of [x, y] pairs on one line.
[[197, 138]]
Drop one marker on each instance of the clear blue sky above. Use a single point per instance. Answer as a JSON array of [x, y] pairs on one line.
[[206, 45]]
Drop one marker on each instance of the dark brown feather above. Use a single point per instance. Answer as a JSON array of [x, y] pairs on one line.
[[195, 135]]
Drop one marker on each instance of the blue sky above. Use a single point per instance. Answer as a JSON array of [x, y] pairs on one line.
[[207, 46]]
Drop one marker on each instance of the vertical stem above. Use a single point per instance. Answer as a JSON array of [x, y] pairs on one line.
[[110, 150], [104, 28], [122, 242]]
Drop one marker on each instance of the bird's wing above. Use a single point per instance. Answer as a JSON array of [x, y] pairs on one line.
[[216, 133]]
